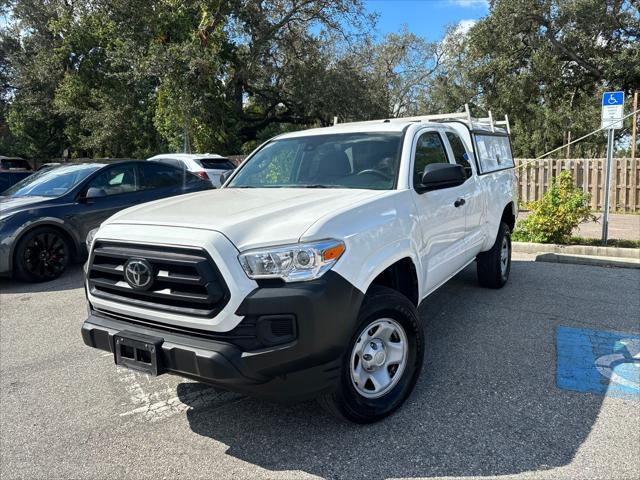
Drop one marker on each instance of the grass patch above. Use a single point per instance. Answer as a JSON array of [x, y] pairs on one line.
[[596, 242], [519, 236]]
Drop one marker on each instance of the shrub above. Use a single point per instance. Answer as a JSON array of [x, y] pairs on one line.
[[557, 214]]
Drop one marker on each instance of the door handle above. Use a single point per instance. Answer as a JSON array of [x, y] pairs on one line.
[[459, 202]]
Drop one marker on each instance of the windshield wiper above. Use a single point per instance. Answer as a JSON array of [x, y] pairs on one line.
[[317, 185]]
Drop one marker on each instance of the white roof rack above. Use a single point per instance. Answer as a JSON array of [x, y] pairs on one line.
[[486, 122]]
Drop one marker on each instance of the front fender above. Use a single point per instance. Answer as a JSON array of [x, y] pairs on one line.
[[361, 270], [377, 234]]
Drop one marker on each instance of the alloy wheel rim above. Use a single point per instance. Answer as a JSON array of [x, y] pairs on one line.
[[45, 255], [504, 256], [379, 358]]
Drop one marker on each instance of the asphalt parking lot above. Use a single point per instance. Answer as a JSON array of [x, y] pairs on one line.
[[487, 403]]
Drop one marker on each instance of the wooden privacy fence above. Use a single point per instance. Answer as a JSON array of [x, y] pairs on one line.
[[589, 173]]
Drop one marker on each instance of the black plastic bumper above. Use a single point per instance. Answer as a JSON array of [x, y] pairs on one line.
[[324, 311]]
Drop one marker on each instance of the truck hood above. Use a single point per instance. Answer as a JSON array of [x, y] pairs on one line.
[[251, 217]]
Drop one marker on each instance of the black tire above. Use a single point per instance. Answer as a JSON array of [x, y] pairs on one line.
[[491, 272], [42, 254], [345, 402]]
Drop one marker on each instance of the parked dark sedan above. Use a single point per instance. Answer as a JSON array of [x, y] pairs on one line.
[[45, 218]]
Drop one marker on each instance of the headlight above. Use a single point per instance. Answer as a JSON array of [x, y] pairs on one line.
[[292, 263], [90, 236]]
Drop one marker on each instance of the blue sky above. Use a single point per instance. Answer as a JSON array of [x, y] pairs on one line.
[[427, 18]]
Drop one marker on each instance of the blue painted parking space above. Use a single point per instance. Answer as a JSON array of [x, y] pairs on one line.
[[598, 361]]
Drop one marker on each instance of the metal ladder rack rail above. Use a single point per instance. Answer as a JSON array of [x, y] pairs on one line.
[[464, 116]]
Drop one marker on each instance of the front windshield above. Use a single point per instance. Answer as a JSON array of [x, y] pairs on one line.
[[349, 160], [51, 182]]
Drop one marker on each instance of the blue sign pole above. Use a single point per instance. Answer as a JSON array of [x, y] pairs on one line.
[[607, 187], [612, 102]]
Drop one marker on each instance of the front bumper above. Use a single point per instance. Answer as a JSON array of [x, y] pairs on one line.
[[324, 311]]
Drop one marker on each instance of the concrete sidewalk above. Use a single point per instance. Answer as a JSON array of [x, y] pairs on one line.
[[621, 226]]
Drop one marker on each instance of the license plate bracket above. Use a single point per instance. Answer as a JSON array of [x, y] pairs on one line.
[[138, 352]]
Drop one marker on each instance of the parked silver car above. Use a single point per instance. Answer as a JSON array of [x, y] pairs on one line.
[[207, 166]]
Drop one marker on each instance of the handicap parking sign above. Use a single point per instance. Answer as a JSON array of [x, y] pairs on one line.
[[612, 110], [613, 98], [598, 361]]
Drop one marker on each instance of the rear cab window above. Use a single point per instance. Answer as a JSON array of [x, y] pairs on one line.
[[494, 152]]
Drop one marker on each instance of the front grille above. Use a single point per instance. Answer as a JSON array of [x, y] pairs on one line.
[[186, 281]]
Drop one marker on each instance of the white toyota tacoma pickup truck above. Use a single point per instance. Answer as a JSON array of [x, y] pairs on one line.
[[301, 277]]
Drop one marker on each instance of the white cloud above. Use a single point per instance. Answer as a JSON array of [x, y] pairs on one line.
[[471, 3], [464, 26]]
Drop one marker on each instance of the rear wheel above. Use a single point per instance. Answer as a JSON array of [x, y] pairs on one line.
[[494, 266], [41, 255], [383, 360]]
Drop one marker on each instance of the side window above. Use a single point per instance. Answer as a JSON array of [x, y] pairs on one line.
[[161, 176], [460, 153], [173, 162], [117, 179], [429, 149]]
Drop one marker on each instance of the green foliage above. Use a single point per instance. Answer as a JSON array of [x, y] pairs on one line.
[[596, 242], [553, 218], [545, 63], [129, 78]]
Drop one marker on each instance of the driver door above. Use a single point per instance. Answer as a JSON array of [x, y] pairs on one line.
[[117, 187], [440, 215]]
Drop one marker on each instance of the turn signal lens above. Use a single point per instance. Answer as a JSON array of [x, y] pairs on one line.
[[333, 253], [292, 263]]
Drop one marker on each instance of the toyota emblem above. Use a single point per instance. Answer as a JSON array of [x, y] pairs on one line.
[[138, 273]]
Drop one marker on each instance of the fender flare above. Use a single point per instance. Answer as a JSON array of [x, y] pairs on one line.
[[493, 227], [378, 261]]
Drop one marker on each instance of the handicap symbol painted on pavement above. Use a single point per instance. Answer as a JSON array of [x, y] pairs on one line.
[[598, 361]]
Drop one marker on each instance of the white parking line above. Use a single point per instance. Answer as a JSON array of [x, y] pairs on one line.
[[151, 406]]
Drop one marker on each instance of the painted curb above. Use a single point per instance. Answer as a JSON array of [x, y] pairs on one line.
[[594, 261], [538, 248]]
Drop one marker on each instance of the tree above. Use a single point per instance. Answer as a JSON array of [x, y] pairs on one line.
[[402, 64], [126, 78], [30, 74], [545, 63]]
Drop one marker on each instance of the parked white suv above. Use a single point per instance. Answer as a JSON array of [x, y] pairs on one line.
[[302, 276], [207, 166]]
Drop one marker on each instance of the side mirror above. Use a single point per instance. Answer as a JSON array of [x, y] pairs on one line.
[[94, 192], [442, 175]]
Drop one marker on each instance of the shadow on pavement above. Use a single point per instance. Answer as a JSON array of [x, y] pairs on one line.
[[486, 402], [69, 280]]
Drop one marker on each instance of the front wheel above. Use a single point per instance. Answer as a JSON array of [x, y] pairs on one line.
[[383, 360], [494, 266], [42, 254]]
